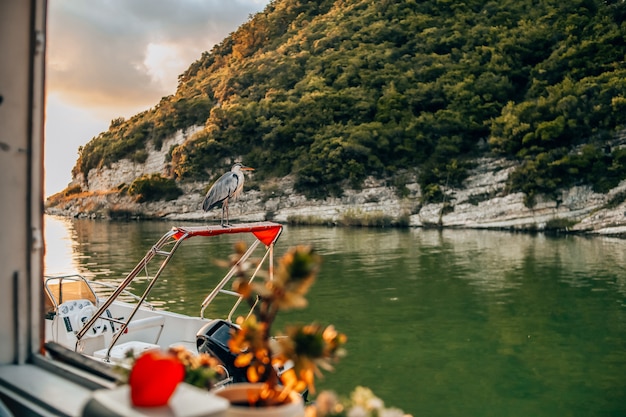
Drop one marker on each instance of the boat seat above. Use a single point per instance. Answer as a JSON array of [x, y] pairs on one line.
[[119, 352], [147, 329], [145, 323], [189, 346]]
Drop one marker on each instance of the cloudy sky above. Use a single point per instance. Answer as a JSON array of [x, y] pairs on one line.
[[115, 58]]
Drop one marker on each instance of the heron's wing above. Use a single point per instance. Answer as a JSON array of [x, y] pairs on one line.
[[223, 188]]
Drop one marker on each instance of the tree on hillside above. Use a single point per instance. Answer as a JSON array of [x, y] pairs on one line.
[[334, 91]]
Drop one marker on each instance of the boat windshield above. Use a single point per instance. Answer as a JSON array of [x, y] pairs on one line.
[[67, 288]]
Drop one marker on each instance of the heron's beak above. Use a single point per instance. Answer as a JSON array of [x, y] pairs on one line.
[[247, 169]]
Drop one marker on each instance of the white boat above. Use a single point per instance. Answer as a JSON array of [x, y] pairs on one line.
[[105, 322]]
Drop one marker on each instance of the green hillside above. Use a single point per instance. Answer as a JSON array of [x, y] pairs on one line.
[[335, 90]]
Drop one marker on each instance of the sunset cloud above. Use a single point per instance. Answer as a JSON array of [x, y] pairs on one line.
[[115, 58]]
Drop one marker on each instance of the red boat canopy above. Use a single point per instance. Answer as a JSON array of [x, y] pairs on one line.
[[266, 232]]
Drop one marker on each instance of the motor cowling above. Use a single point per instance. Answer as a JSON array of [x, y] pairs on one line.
[[213, 339]]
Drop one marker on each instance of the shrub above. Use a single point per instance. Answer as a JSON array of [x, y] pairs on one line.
[[362, 219], [74, 189], [301, 220], [154, 188], [140, 156], [616, 200], [559, 225]]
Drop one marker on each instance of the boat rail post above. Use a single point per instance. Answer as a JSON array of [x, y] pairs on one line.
[[124, 325], [227, 278], [271, 262], [129, 278], [254, 274]]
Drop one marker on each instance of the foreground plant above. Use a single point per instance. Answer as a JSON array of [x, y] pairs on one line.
[[201, 370], [154, 375], [302, 351]]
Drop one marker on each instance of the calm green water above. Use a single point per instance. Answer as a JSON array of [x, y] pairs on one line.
[[440, 323]]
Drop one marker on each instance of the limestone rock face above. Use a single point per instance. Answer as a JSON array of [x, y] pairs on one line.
[[482, 203], [125, 171]]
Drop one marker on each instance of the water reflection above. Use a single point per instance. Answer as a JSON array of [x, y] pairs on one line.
[[59, 258], [440, 323]]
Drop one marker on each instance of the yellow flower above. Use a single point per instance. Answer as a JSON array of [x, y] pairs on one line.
[[250, 338], [310, 347]]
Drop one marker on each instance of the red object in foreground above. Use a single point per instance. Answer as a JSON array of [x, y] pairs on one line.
[[154, 378]]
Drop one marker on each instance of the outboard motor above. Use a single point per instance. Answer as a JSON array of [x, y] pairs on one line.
[[213, 339]]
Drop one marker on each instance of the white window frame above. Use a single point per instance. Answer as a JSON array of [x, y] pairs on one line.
[[30, 382]]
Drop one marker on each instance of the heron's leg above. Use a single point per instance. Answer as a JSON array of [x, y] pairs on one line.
[[225, 207], [224, 210]]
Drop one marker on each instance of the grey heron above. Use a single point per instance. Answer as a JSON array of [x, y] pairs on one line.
[[226, 187]]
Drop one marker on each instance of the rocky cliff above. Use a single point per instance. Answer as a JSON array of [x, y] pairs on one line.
[[482, 203]]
